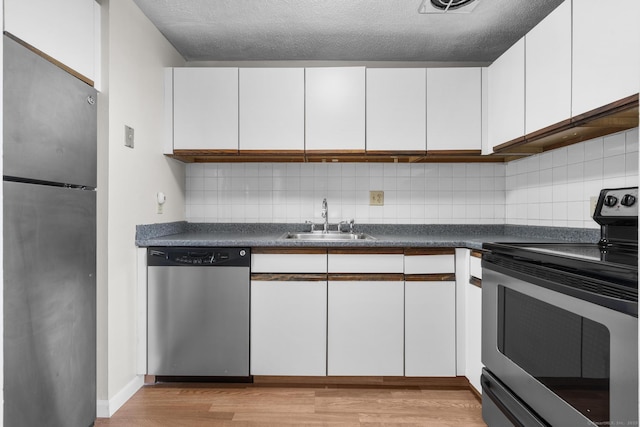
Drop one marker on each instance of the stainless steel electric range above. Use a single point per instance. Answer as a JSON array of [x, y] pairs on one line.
[[560, 326]]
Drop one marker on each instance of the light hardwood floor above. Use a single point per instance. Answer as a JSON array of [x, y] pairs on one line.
[[267, 403]]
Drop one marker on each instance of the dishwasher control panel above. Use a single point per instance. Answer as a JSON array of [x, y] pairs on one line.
[[177, 256]]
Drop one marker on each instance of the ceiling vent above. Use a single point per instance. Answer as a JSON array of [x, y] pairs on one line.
[[447, 6]]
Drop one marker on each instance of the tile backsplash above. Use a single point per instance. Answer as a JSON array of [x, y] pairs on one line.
[[555, 188], [550, 189]]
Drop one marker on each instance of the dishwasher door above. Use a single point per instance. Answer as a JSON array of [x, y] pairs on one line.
[[198, 321]]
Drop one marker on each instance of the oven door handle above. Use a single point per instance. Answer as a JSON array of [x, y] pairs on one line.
[[508, 404]]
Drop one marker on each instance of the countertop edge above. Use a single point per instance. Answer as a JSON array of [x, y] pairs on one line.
[[470, 236]]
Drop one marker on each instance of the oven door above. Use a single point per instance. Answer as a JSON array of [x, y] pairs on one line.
[[571, 361]]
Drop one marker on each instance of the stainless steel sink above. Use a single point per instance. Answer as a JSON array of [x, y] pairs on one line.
[[328, 236]]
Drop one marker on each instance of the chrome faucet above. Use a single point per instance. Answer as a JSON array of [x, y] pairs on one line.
[[325, 215]]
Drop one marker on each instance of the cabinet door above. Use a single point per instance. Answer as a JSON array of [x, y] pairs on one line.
[[64, 29], [473, 334], [606, 63], [506, 96], [396, 103], [548, 70], [365, 328], [272, 109], [205, 108], [288, 328], [430, 329], [454, 109], [335, 109]]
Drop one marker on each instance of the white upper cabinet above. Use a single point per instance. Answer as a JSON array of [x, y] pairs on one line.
[[64, 29], [548, 70], [506, 95], [396, 104], [454, 109], [272, 109], [606, 62], [205, 109], [335, 109]]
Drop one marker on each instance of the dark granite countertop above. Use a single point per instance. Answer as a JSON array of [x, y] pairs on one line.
[[396, 235]]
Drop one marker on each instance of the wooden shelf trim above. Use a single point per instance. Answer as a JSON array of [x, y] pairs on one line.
[[288, 277], [440, 277], [366, 277], [477, 253], [281, 156], [429, 251], [611, 118], [475, 281], [366, 251]]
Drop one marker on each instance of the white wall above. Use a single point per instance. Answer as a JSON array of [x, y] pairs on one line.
[[549, 189], [134, 57]]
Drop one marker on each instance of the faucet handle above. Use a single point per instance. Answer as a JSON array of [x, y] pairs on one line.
[[350, 222], [312, 224]]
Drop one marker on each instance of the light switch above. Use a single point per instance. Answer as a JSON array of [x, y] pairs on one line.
[[128, 136]]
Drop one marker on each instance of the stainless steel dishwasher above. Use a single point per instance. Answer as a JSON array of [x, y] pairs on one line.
[[198, 312]]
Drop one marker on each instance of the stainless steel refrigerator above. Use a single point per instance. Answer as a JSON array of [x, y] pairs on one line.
[[49, 243]]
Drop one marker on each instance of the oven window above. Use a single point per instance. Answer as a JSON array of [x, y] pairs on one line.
[[567, 353]]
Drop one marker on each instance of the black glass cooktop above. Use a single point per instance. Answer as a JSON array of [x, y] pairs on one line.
[[609, 262]]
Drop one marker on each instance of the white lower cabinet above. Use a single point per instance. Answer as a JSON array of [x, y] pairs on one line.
[[430, 329], [350, 312], [430, 312], [289, 328], [365, 328]]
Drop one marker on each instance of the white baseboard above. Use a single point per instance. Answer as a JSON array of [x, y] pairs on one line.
[[106, 408]]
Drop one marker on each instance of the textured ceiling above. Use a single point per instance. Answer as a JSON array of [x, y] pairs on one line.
[[341, 30]]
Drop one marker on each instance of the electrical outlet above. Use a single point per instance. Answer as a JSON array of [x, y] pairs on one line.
[[376, 198], [592, 205], [161, 199]]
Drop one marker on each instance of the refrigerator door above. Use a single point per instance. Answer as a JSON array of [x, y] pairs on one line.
[[49, 305], [49, 121]]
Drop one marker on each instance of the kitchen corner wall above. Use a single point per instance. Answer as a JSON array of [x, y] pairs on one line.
[[550, 189], [134, 57]]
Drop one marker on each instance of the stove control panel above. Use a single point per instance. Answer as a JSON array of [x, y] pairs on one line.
[[617, 202]]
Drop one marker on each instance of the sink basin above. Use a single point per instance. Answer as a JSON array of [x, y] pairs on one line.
[[328, 236]]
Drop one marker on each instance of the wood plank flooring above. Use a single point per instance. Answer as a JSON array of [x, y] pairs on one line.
[[266, 404]]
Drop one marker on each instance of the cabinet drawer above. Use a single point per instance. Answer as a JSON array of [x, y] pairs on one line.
[[289, 263], [475, 266], [429, 264], [365, 263]]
